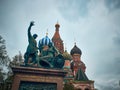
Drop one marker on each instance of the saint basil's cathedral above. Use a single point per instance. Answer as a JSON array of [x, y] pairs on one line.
[[74, 66]]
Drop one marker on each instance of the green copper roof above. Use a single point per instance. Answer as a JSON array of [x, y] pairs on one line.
[[81, 76]]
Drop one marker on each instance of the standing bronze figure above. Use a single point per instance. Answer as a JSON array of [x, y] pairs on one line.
[[31, 52]]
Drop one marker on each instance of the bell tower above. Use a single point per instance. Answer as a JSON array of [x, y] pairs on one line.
[[58, 42]]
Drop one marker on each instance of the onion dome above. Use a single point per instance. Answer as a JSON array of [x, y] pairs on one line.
[[45, 41], [57, 25], [67, 56], [75, 50]]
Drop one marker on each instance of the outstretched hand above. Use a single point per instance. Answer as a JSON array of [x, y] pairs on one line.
[[32, 23]]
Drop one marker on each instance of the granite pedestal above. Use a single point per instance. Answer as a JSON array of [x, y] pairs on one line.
[[30, 78]]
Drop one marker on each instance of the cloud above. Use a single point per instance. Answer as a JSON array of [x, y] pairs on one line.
[[95, 24], [15, 17], [71, 10], [112, 4], [108, 84], [101, 32], [117, 40]]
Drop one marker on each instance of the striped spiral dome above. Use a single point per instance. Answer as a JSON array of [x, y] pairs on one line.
[[44, 41]]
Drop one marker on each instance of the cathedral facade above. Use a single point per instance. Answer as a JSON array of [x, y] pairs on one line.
[[74, 66]]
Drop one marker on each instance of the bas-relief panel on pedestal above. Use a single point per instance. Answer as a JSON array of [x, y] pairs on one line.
[[37, 86]]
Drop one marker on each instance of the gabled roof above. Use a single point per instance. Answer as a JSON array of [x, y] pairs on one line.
[[81, 76]]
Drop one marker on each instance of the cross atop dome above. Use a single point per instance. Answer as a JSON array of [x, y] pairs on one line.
[[47, 32]]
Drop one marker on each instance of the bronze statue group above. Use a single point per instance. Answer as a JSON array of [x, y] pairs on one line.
[[44, 56]]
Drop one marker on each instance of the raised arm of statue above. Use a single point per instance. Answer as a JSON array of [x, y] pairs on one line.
[[29, 29]]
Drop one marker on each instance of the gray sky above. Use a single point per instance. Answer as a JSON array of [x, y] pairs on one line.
[[94, 24]]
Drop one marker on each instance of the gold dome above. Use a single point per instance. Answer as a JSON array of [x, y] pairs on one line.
[[67, 56]]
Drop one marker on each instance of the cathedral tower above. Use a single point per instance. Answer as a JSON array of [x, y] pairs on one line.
[[58, 42], [77, 63]]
